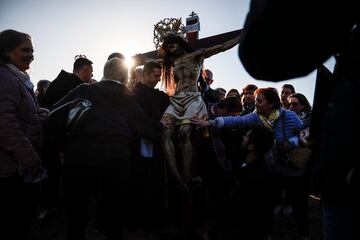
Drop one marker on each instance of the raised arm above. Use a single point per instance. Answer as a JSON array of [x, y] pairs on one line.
[[208, 52]]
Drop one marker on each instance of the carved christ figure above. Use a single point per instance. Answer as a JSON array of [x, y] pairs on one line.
[[181, 69]]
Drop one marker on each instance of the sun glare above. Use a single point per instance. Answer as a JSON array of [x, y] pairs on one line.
[[129, 61]]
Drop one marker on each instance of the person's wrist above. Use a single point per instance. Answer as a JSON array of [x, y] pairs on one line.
[[211, 123]]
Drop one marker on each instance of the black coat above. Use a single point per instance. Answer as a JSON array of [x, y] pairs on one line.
[[58, 88], [110, 126], [254, 204], [153, 101]]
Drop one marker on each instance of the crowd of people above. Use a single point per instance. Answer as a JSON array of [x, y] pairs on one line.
[[211, 162]]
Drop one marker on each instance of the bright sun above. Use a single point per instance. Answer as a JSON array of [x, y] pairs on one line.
[[129, 61]]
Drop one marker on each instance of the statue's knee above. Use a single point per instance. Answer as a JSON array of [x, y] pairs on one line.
[[167, 132], [185, 132]]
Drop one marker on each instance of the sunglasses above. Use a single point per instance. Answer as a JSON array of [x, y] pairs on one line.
[[294, 104]]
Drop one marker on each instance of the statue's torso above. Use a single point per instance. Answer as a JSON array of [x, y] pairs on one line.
[[186, 102], [186, 74]]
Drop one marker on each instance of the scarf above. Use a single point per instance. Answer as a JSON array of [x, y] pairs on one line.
[[268, 122], [23, 76], [302, 116]]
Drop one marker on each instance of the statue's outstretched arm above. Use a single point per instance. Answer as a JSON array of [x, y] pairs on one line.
[[208, 52], [140, 59]]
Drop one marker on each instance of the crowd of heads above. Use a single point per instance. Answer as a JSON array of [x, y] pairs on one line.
[[116, 69]]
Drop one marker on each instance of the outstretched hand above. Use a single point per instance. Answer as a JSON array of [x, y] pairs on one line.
[[199, 122]]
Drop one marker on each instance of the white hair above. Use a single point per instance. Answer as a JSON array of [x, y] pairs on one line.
[[116, 69]]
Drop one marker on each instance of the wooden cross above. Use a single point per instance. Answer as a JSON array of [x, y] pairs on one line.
[[193, 39]]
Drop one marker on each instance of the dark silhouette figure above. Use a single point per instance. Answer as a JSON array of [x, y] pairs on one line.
[[282, 41]]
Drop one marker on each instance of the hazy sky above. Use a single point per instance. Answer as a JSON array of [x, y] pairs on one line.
[[62, 29]]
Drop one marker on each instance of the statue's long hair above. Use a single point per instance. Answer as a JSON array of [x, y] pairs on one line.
[[168, 61]]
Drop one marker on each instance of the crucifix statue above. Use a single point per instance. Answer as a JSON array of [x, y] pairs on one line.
[[182, 63]]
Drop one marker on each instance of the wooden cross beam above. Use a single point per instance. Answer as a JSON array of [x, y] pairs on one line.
[[197, 44]]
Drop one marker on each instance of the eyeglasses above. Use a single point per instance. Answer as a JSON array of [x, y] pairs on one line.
[[294, 104], [79, 56]]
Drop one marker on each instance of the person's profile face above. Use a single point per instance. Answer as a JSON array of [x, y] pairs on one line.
[[138, 74], [295, 105], [22, 55], [248, 97], [208, 77], [233, 94], [221, 94], [154, 77], [285, 93], [86, 73], [263, 107]]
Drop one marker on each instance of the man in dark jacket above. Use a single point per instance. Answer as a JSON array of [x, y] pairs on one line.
[[97, 154], [151, 100], [148, 167], [64, 82], [42, 86], [209, 95], [254, 210]]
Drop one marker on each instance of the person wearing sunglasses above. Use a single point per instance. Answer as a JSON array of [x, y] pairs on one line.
[[299, 104]]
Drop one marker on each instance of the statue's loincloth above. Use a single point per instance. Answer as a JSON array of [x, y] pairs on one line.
[[185, 105]]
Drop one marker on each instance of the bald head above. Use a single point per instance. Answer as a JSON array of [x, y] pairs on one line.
[[116, 69], [208, 77]]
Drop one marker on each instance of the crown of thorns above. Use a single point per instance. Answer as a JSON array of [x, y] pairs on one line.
[[166, 27]]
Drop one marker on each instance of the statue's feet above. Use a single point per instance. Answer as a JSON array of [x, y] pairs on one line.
[[196, 181], [183, 187]]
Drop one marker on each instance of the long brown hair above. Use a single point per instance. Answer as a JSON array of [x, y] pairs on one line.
[[168, 61]]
